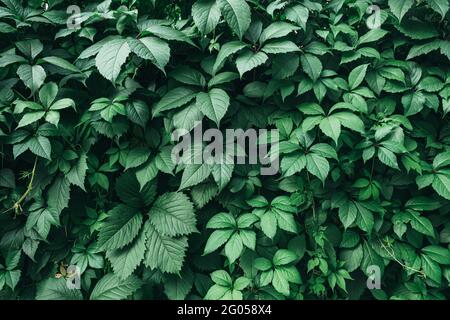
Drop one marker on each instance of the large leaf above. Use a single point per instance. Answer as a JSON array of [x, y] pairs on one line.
[[237, 14], [206, 15], [111, 287], [172, 214], [213, 104], [111, 57], [163, 252], [120, 228], [151, 48]]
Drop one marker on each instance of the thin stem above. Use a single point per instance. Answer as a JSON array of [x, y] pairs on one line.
[[391, 254], [17, 205]]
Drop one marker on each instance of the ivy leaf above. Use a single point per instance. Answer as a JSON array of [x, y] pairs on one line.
[[331, 127], [237, 14], [276, 30], [111, 287], [40, 146], [121, 227], [56, 289], [387, 157], [59, 194], [32, 76], [400, 7], [311, 65], [151, 48], [77, 173], [206, 15], [173, 99], [213, 104], [125, 260], [348, 213], [298, 14], [227, 50], [441, 184], [163, 252], [440, 6], [318, 166], [194, 174], [111, 57], [169, 33], [356, 76], [172, 214], [249, 60]]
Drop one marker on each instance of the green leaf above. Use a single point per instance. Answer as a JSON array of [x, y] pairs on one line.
[[292, 164], [189, 76], [356, 76], [131, 192], [441, 160], [32, 76], [234, 247], [61, 63], [237, 15], [30, 48], [227, 50], [280, 46], [283, 257], [173, 99], [431, 269], [372, 36], [40, 146], [206, 15], [216, 240], [59, 194], [169, 33], [163, 252], [125, 260], [413, 103], [311, 66], [213, 104], [250, 60], [77, 173], [438, 254], [269, 224], [387, 157], [298, 14], [151, 48], [441, 184], [331, 127], [347, 213], [56, 289], [111, 57], [318, 166], [400, 7], [276, 30], [138, 112], [440, 6], [172, 214], [194, 174], [120, 228], [421, 224], [111, 287], [30, 118], [177, 287]]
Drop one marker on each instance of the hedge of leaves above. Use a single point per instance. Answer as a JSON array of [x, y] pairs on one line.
[[359, 91]]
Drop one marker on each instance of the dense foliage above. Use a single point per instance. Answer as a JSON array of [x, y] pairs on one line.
[[359, 91]]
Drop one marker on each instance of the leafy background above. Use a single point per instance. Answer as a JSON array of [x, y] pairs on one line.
[[86, 177]]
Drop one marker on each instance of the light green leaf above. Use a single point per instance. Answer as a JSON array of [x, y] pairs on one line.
[[111, 287], [111, 57], [237, 14], [213, 104], [151, 48]]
